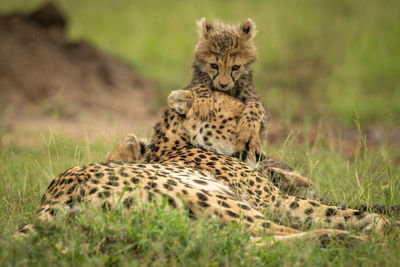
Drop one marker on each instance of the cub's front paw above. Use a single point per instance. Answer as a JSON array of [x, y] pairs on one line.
[[203, 107], [249, 133], [247, 128]]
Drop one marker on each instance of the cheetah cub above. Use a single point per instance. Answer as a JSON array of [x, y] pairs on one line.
[[224, 55]]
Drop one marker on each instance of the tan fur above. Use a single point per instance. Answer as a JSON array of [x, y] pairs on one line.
[[204, 182], [226, 46], [192, 161], [224, 55]]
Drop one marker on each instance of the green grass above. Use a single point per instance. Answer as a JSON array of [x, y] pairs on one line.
[[154, 235], [331, 57]]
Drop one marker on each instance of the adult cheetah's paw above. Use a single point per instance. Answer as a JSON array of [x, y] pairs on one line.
[[291, 182], [326, 236]]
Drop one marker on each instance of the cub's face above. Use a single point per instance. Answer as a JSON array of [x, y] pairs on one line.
[[225, 52]]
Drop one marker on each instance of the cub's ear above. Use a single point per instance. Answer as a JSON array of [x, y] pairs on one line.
[[204, 28], [180, 100], [248, 29]]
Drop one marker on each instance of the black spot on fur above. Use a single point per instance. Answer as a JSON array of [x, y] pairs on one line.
[[113, 178], [232, 214], [203, 204], [249, 219], [172, 182], [135, 180], [104, 194], [52, 212], [308, 211], [330, 212], [190, 213], [200, 182], [202, 197], [243, 206], [357, 213], [224, 204], [340, 226], [171, 202], [324, 240], [59, 194], [197, 159], [151, 184], [167, 186], [128, 202], [266, 225], [294, 205], [112, 183], [106, 206]]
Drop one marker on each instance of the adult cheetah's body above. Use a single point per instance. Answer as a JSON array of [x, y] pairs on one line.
[[205, 182]]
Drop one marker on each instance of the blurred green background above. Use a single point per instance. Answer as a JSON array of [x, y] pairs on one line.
[[335, 59]]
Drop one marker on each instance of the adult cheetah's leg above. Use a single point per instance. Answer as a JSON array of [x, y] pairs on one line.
[[295, 184], [322, 236], [260, 226], [46, 213], [300, 213]]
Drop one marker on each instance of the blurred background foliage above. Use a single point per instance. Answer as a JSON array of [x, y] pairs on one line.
[[335, 59]]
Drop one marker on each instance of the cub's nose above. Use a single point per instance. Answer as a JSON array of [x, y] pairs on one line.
[[223, 85]]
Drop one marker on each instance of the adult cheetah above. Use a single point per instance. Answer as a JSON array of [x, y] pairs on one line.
[[204, 182]]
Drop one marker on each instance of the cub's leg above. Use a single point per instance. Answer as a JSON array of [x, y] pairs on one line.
[[252, 125]]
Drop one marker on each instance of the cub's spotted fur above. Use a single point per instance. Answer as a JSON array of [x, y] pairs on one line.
[[224, 55]]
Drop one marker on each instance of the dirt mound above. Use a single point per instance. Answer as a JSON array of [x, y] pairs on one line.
[[45, 79]]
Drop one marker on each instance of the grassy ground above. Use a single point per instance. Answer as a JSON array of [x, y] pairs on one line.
[[157, 236], [330, 59]]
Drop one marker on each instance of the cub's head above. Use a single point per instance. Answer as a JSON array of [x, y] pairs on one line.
[[225, 52]]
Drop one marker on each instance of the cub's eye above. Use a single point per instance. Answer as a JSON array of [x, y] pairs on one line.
[[214, 66], [235, 67]]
